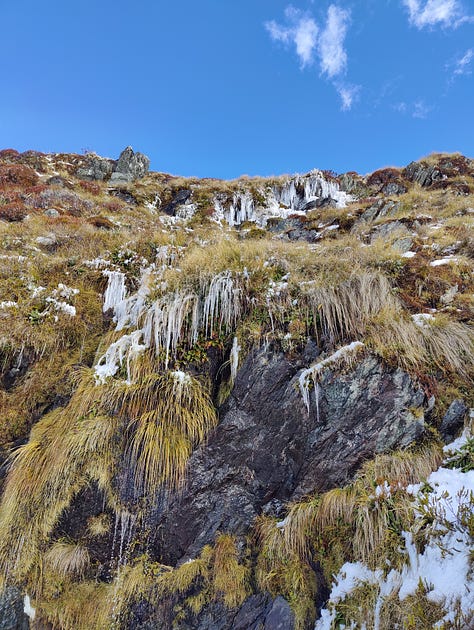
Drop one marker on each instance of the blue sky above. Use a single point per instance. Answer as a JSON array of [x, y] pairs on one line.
[[220, 88]]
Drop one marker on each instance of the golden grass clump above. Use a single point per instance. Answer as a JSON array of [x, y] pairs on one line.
[[170, 414], [230, 578], [63, 453], [67, 559], [282, 571], [372, 516]]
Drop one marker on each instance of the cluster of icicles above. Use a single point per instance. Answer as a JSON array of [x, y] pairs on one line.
[[280, 201], [174, 318]]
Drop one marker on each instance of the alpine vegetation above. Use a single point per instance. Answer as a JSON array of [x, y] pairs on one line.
[[235, 404]]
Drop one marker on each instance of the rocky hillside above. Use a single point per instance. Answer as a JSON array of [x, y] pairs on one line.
[[225, 405]]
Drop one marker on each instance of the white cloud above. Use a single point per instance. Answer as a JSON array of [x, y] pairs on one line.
[[420, 110], [463, 64], [448, 13], [333, 57], [303, 33], [348, 94], [301, 30]]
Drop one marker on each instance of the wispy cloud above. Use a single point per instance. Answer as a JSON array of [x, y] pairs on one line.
[[446, 13], [462, 65], [333, 56], [418, 109], [348, 94], [301, 31], [325, 42]]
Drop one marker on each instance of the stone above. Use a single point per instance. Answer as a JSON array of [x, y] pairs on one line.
[[130, 166], [49, 240], [12, 616], [387, 230], [453, 420], [51, 213], [394, 188], [268, 447], [280, 616], [422, 173], [179, 199], [96, 168], [60, 182], [403, 245], [381, 208]]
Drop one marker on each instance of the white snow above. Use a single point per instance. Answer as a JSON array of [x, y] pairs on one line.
[[9, 304], [444, 567], [423, 319], [64, 307], [443, 261], [458, 443], [409, 254]]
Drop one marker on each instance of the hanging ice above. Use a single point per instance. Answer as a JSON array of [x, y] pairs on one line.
[[234, 360], [292, 196], [125, 350], [312, 373], [116, 290]]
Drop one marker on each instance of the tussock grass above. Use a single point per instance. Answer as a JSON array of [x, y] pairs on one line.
[[371, 517], [281, 571], [179, 414], [67, 559]]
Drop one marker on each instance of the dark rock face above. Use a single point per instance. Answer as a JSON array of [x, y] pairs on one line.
[[380, 209], [268, 449], [130, 166], [453, 420], [12, 616], [179, 199], [423, 173]]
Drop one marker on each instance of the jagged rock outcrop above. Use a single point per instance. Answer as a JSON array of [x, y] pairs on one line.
[[268, 449], [423, 173], [96, 168], [130, 166]]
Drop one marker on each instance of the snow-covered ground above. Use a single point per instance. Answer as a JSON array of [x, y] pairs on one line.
[[444, 567]]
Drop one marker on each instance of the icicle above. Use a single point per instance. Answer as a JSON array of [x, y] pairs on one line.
[[234, 360], [116, 290], [28, 608], [126, 348], [222, 303], [129, 310], [312, 373]]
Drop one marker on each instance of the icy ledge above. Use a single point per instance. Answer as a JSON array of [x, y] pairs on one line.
[[295, 195]]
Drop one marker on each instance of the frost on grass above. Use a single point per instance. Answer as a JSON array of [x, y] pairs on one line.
[[442, 568]]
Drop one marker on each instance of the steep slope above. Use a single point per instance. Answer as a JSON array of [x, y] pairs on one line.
[[215, 395]]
